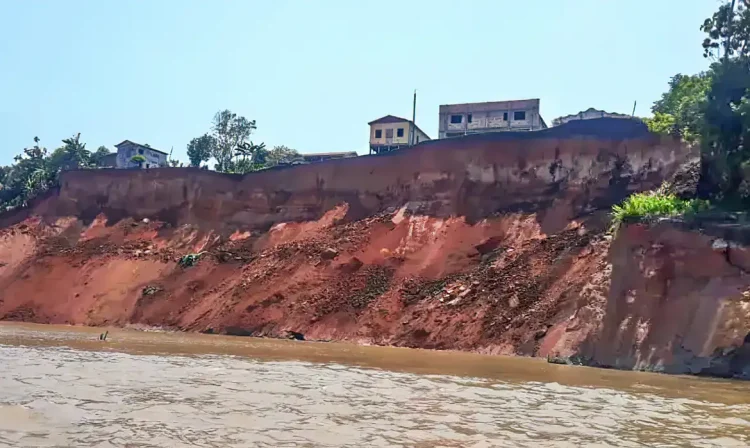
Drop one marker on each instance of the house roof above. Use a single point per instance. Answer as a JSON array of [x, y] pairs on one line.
[[395, 119], [593, 109], [389, 119], [330, 154], [140, 146], [489, 106]]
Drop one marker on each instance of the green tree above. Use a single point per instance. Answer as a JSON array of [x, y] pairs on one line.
[[200, 149], [76, 154], [255, 153], [679, 111], [139, 160], [27, 177], [725, 142], [98, 156], [661, 123], [231, 131], [71, 155], [281, 154], [728, 31], [4, 171]]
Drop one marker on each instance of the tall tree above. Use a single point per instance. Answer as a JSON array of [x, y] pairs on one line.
[[728, 31], [679, 111], [725, 145], [200, 149], [27, 178], [76, 154], [230, 132], [281, 154]]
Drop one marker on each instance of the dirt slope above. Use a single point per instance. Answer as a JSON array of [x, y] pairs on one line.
[[492, 243], [393, 278]]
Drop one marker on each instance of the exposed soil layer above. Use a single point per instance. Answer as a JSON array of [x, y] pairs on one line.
[[393, 278], [491, 244]]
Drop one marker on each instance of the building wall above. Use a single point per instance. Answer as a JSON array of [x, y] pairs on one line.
[[153, 158], [421, 136], [395, 140], [108, 161], [489, 117], [405, 140]]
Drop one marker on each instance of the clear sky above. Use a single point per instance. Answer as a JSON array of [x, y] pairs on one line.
[[314, 72]]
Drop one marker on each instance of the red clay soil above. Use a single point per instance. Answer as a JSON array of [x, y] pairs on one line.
[[394, 278], [473, 243]]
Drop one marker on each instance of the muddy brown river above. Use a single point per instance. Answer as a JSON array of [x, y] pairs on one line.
[[61, 386]]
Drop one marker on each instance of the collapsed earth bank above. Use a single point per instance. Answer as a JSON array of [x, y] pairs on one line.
[[490, 243]]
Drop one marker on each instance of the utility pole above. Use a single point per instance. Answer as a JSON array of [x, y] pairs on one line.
[[634, 103], [413, 120]]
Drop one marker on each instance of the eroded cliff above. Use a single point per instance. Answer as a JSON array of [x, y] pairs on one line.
[[677, 301], [493, 243]]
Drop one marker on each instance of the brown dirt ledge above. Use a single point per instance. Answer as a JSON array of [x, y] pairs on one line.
[[495, 245]]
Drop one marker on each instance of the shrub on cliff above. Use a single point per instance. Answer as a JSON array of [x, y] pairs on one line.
[[647, 206], [138, 159]]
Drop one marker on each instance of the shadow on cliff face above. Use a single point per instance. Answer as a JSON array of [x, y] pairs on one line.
[[674, 306]]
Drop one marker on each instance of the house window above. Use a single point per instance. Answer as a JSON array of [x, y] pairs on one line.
[[400, 132], [519, 115], [505, 116], [378, 133], [389, 133], [456, 119], [140, 151], [468, 118]]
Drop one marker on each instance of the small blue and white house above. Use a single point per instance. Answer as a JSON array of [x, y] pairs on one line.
[[127, 149]]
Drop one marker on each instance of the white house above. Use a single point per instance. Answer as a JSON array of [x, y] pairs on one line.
[[127, 149]]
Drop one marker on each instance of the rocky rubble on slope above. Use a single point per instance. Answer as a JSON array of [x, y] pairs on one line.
[[323, 245]]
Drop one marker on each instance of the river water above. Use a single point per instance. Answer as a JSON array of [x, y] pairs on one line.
[[61, 386]]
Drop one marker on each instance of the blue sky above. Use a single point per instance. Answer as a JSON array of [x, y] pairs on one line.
[[313, 73]]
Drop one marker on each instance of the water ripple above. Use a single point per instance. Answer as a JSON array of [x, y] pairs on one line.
[[56, 396]]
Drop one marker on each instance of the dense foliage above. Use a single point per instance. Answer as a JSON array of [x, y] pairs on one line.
[[229, 144], [679, 111], [712, 109], [35, 171]]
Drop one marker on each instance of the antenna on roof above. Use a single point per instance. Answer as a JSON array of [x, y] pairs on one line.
[[413, 119], [634, 103]]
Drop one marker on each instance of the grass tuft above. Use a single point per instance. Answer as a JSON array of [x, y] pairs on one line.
[[648, 206]]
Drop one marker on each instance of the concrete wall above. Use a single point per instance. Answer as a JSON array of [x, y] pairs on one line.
[[127, 151], [489, 117], [566, 172]]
